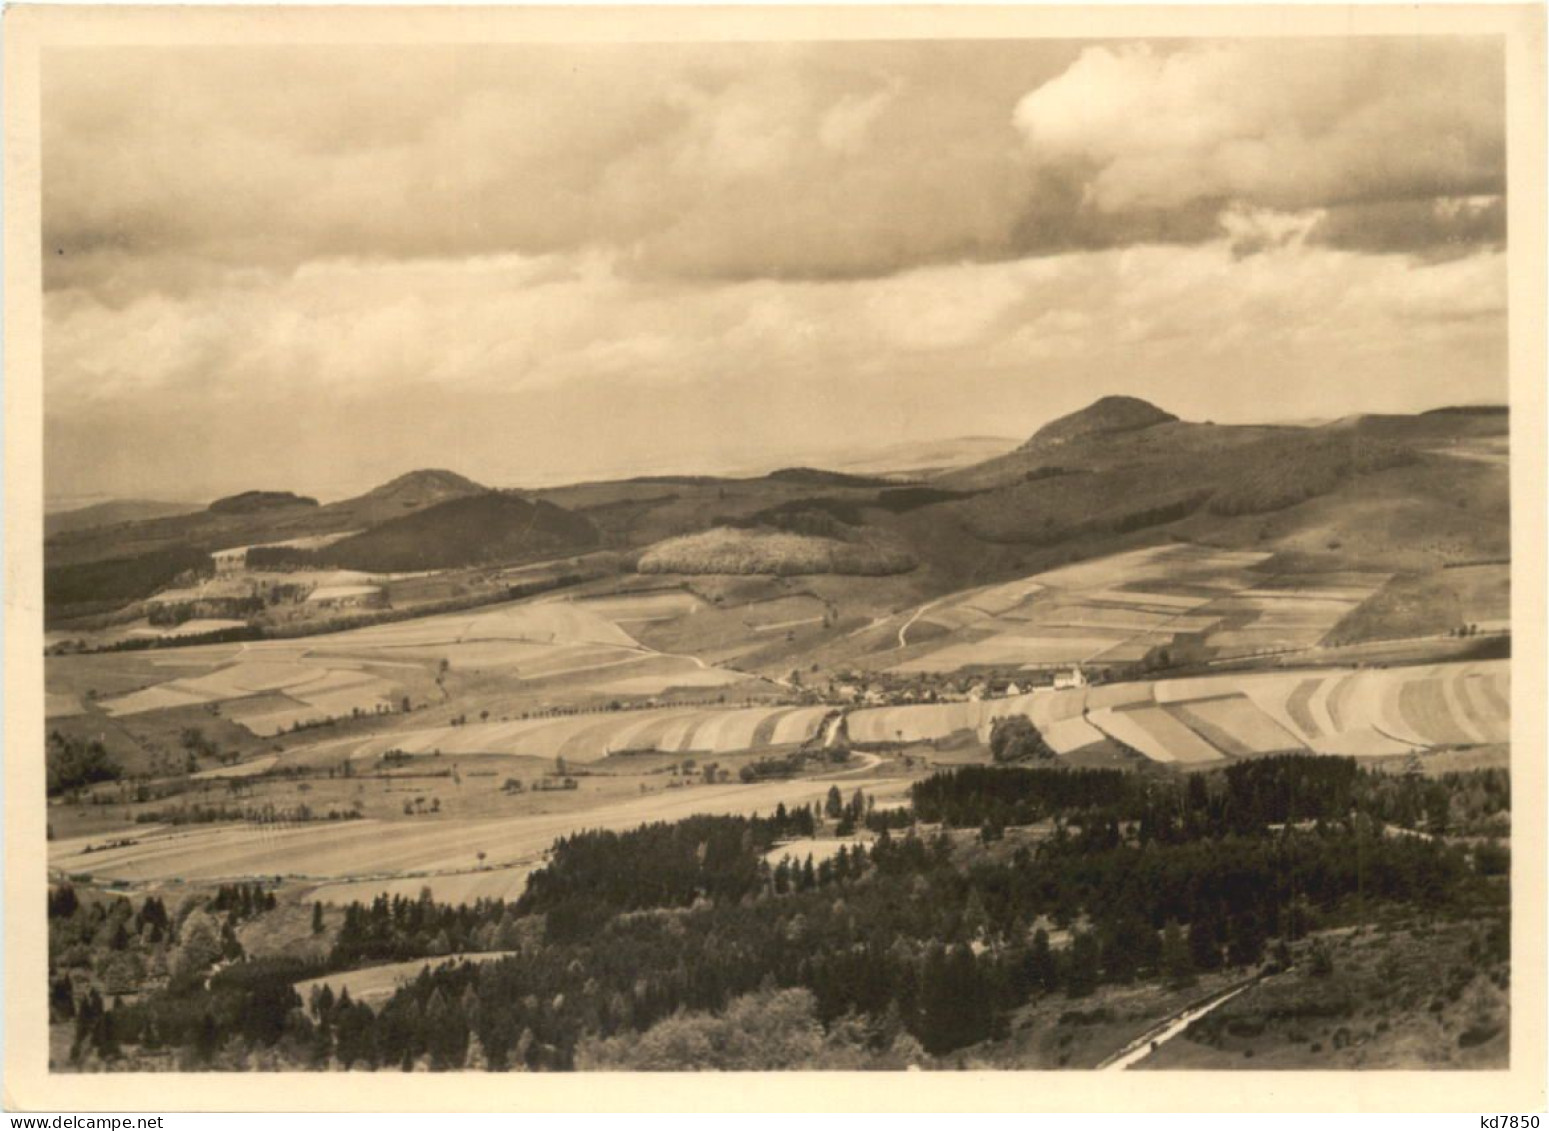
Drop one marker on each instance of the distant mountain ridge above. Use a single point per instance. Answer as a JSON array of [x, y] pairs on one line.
[[1376, 491], [113, 512]]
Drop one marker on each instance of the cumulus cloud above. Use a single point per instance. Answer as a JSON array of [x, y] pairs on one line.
[[1439, 228], [1283, 126], [786, 161], [813, 161]]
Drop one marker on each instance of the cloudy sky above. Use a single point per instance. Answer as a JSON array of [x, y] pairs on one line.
[[314, 269]]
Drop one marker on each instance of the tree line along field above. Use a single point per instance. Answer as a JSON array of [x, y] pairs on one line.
[[1370, 712]]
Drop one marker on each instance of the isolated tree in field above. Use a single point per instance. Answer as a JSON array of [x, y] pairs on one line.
[[1015, 739], [317, 918]]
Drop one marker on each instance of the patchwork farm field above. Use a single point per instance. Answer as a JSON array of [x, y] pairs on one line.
[[1370, 712], [272, 687], [1120, 609], [590, 737]]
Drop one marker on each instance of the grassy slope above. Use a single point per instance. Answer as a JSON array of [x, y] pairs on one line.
[[1428, 603], [1406, 996]]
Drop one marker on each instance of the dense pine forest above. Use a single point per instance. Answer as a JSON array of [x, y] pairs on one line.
[[1002, 886]]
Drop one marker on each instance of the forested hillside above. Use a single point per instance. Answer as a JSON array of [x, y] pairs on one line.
[[918, 945]]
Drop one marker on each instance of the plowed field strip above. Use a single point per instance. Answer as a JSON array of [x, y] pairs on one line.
[[1469, 698], [1207, 730], [1423, 705], [1296, 706]]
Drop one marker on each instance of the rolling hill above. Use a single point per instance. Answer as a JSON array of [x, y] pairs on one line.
[[1405, 494], [114, 512]]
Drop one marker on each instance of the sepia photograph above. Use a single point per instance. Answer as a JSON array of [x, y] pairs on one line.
[[772, 545]]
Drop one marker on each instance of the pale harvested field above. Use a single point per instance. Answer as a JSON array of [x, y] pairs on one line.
[[588, 737], [376, 851], [1131, 651], [913, 723], [539, 622], [450, 887], [1118, 695], [1235, 726], [160, 698], [1168, 739], [1124, 727], [1012, 651], [341, 592], [1066, 736], [626, 607], [189, 627], [683, 673], [375, 984], [819, 850], [248, 678], [247, 769], [1141, 599]]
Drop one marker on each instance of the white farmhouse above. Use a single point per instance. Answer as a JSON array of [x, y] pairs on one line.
[[1064, 681]]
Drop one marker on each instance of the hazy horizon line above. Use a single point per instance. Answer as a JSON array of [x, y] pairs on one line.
[[338, 492]]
